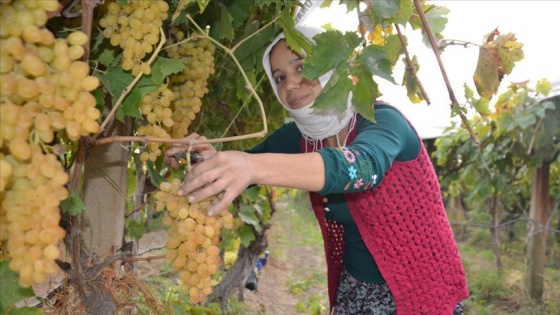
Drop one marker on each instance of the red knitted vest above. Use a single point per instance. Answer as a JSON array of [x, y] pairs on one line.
[[405, 227]]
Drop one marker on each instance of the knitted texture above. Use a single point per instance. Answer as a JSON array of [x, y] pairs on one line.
[[405, 227]]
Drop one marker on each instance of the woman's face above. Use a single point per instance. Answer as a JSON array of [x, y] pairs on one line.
[[294, 90]]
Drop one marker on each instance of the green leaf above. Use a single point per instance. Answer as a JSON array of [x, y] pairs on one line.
[[136, 229], [469, 94], [294, 38], [482, 107], [382, 10], [245, 235], [436, 20], [486, 77], [393, 49], [106, 52], [239, 11], [253, 193], [325, 58], [11, 292], [335, 93], [247, 215], [155, 176], [116, 80], [405, 13], [526, 121], [222, 27], [510, 53], [365, 93], [412, 88], [249, 54], [543, 87], [373, 57], [72, 205]]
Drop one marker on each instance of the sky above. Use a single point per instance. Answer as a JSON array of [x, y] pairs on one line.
[[534, 23]]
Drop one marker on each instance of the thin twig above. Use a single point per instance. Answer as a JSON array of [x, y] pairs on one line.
[[410, 66], [175, 141], [533, 138], [248, 84], [455, 42], [148, 259], [437, 52], [255, 33], [139, 207]]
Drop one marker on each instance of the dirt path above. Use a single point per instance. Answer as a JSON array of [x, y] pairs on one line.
[[295, 261]]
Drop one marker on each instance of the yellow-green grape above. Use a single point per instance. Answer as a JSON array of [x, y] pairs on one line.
[[190, 85], [193, 238], [134, 27], [30, 213], [156, 108], [42, 77], [44, 88]]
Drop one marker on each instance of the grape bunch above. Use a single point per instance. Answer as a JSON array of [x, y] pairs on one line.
[[30, 214], [134, 26], [156, 108], [194, 237], [191, 84], [44, 90]]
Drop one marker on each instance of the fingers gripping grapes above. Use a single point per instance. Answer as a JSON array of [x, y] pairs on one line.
[[229, 172]]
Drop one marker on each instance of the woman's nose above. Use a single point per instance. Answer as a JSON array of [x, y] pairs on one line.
[[293, 81]]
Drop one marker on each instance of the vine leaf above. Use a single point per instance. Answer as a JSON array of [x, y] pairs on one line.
[[294, 38], [353, 71], [73, 205], [222, 27], [116, 80], [482, 106], [136, 229], [11, 291], [436, 19], [383, 10], [496, 58], [487, 74], [248, 216], [245, 235], [412, 88]]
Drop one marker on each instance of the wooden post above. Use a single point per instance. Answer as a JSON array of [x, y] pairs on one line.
[[536, 235]]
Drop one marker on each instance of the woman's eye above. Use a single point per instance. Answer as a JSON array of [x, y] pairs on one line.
[[279, 79], [300, 68]]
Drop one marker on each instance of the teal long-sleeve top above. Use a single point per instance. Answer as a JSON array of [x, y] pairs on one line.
[[356, 167]]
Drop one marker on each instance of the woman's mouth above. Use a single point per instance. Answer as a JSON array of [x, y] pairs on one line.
[[298, 101]]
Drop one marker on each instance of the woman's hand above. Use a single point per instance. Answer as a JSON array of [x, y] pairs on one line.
[[229, 171], [205, 149]]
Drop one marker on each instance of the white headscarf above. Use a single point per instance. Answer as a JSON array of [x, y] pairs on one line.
[[314, 124]]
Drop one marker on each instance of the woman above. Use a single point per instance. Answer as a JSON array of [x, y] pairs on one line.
[[388, 243]]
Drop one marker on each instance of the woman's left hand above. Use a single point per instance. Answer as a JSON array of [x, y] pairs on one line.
[[228, 171]]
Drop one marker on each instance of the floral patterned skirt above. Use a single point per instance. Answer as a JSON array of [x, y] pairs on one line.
[[361, 298]]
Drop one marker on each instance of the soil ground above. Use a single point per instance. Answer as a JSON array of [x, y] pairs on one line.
[[295, 262]]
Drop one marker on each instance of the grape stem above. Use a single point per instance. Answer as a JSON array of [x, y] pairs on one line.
[[410, 66], [435, 48], [130, 86], [148, 259], [248, 85]]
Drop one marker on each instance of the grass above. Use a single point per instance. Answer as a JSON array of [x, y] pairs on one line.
[[503, 292]]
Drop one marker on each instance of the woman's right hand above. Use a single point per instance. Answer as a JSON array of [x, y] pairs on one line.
[[204, 149]]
